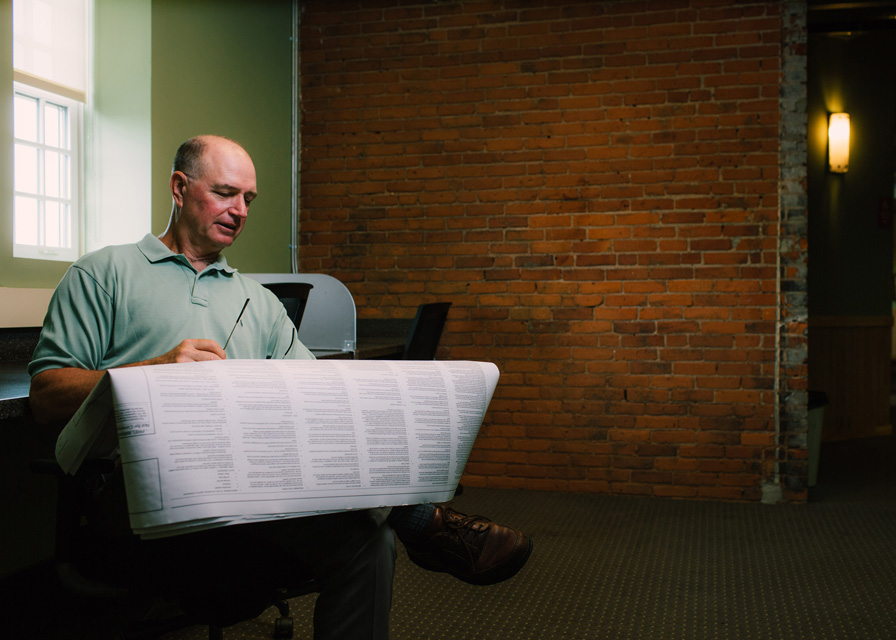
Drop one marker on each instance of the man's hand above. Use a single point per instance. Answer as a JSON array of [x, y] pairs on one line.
[[56, 394], [189, 351]]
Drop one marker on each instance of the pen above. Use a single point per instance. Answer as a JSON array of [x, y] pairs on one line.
[[246, 304]]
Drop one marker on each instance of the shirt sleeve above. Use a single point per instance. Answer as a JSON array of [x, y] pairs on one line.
[[288, 343], [76, 329], [284, 336]]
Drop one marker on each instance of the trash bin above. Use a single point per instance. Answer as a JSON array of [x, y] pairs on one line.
[[817, 402]]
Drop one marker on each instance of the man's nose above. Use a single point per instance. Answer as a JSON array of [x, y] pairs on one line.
[[239, 207]]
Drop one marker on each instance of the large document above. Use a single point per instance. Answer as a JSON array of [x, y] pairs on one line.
[[216, 443]]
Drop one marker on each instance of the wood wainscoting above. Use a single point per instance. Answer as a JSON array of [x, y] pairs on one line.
[[850, 360]]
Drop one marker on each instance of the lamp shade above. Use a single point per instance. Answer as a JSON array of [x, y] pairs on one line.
[[838, 143]]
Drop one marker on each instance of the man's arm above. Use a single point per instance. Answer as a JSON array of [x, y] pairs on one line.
[[56, 394]]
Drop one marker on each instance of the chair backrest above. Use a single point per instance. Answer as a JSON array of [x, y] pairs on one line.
[[330, 320], [426, 331], [294, 296]]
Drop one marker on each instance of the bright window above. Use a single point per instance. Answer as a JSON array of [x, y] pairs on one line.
[[50, 73], [47, 130]]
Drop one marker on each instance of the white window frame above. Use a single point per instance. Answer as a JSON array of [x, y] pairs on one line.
[[42, 250]]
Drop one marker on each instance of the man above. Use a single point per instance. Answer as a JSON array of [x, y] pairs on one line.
[[173, 299]]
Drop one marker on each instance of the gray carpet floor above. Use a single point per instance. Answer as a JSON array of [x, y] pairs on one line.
[[614, 567]]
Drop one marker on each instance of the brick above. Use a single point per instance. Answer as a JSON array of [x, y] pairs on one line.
[[595, 187]]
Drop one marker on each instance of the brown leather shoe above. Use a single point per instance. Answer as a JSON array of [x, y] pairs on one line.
[[471, 548]]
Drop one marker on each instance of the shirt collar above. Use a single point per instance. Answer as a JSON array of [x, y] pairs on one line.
[[156, 251]]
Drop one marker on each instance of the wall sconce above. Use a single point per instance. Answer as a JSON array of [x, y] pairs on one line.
[[838, 143]]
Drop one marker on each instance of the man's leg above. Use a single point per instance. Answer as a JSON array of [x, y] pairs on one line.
[[353, 557], [470, 548], [356, 598]]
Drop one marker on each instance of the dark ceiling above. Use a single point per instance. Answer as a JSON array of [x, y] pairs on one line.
[[850, 16]]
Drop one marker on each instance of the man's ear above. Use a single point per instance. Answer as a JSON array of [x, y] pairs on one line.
[[178, 184]]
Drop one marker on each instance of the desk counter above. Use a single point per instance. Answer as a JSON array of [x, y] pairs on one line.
[[14, 383]]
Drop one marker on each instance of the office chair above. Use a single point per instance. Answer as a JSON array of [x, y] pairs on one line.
[[294, 296], [203, 600], [426, 331]]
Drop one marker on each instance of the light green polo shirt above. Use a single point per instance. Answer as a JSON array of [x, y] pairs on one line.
[[129, 303]]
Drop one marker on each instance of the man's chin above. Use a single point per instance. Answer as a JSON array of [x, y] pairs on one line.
[[226, 237]]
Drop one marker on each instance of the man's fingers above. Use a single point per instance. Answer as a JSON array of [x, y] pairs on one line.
[[209, 347], [197, 351]]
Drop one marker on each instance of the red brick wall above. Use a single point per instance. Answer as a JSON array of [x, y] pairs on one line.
[[594, 186]]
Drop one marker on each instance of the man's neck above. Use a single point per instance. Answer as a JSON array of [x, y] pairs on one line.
[[201, 263], [199, 259]]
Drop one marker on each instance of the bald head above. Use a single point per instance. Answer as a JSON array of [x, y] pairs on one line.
[[190, 154]]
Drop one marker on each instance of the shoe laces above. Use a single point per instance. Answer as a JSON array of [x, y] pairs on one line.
[[466, 527]]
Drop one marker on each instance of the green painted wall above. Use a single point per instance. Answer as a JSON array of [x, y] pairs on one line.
[[119, 152], [224, 67]]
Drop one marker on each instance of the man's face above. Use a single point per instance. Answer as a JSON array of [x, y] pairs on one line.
[[216, 203]]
